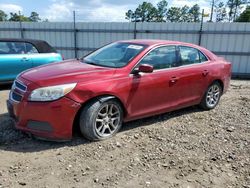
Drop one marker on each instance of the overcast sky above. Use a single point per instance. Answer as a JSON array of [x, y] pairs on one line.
[[86, 10]]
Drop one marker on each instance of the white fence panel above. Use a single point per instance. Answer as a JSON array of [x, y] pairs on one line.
[[231, 40]]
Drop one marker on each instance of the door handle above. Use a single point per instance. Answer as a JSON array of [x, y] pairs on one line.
[[174, 80], [25, 59], [205, 72]]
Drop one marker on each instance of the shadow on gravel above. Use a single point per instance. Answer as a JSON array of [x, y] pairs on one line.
[[5, 87], [14, 140], [159, 118]]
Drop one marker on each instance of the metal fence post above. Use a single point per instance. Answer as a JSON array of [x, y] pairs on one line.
[[201, 28], [74, 25], [135, 31], [21, 29], [20, 26]]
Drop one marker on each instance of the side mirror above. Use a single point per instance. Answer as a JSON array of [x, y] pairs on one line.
[[145, 68]]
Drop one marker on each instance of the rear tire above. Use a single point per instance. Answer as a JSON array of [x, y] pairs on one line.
[[101, 120], [212, 96]]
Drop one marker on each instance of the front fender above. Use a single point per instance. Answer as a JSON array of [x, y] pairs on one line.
[[105, 98]]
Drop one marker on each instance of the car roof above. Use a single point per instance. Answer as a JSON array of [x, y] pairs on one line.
[[41, 46], [152, 42]]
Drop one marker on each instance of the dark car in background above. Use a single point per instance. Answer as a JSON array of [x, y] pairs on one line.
[[17, 55]]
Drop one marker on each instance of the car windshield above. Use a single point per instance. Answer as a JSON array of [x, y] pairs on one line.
[[114, 55]]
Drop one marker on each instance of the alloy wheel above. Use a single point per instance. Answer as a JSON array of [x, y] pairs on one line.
[[213, 95], [107, 120]]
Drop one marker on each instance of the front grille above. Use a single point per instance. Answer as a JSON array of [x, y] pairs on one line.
[[20, 86], [17, 91], [16, 96]]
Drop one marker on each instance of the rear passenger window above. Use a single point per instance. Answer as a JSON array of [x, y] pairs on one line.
[[161, 58], [30, 49], [203, 58], [191, 55]]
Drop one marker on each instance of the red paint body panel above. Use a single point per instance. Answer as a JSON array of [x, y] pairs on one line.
[[142, 95], [51, 113], [56, 113]]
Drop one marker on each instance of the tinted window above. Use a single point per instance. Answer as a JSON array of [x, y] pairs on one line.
[[17, 48], [30, 49], [190, 55], [203, 58], [114, 55], [161, 58], [4, 49], [12, 47]]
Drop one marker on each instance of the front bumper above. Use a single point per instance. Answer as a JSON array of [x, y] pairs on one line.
[[49, 120]]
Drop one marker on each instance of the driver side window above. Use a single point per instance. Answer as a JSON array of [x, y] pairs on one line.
[[161, 58]]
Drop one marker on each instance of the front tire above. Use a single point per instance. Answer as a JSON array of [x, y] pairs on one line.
[[212, 96], [101, 120]]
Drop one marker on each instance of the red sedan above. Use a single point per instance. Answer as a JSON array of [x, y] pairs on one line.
[[122, 81]]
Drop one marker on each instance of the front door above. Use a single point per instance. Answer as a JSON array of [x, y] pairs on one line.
[[153, 93]]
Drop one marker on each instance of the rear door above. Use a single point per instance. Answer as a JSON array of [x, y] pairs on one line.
[[192, 75], [13, 60]]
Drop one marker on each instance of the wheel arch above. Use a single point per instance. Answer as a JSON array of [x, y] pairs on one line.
[[220, 82], [101, 98]]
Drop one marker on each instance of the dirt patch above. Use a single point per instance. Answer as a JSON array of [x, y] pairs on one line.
[[185, 148]]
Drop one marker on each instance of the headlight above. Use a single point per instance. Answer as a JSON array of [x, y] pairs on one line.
[[51, 93]]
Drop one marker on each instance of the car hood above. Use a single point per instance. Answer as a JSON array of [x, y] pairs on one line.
[[69, 71]]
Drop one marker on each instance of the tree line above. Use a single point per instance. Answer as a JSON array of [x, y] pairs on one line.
[[224, 12], [16, 17], [147, 12]]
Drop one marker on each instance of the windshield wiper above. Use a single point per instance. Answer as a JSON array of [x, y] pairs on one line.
[[96, 64], [90, 62]]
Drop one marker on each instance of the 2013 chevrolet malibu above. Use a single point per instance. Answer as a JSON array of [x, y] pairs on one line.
[[119, 82]]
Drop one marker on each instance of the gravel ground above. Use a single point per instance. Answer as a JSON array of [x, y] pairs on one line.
[[188, 148]]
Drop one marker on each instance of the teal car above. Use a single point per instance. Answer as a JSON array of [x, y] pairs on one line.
[[17, 55]]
